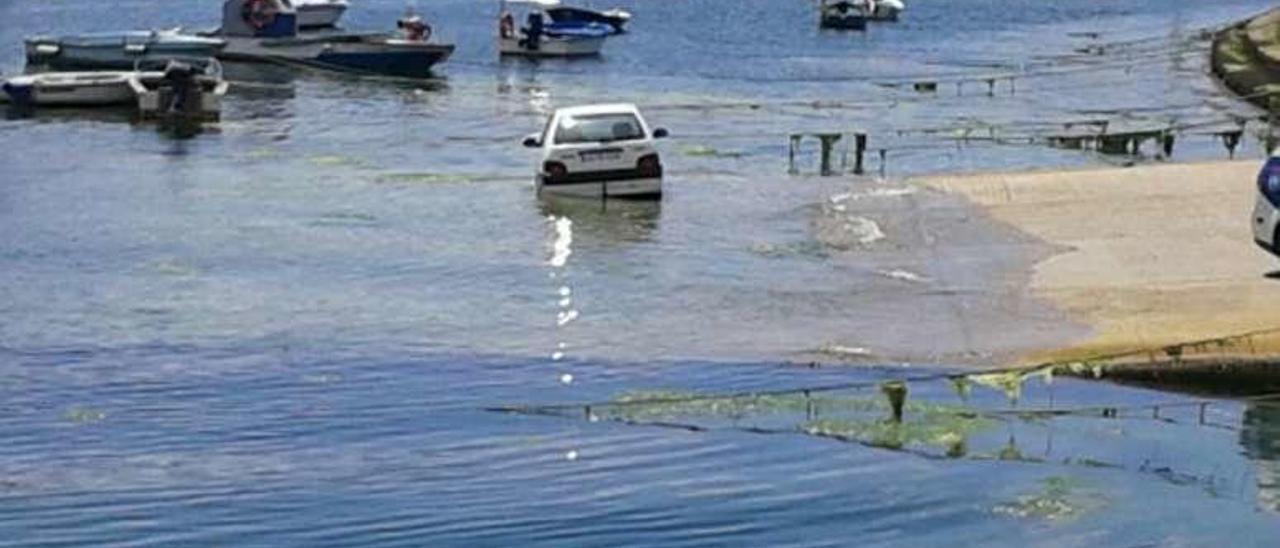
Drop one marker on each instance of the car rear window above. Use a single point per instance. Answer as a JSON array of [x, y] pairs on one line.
[[592, 128]]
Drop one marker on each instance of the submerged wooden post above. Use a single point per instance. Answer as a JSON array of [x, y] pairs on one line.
[[791, 153], [859, 148], [883, 152], [1271, 125], [1231, 139], [828, 140], [897, 394]]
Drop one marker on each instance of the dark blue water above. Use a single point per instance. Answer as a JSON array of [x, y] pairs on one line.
[[282, 331]]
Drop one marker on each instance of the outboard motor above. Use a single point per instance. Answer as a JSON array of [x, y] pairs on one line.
[[533, 32], [184, 89]]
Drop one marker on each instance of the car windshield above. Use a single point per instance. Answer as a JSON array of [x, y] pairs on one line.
[[590, 128]]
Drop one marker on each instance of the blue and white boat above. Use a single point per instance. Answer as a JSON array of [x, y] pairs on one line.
[[540, 38], [616, 18], [266, 31], [117, 50]]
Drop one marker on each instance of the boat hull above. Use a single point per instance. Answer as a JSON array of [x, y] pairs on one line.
[[844, 22], [552, 47], [73, 89], [153, 99], [371, 55], [111, 54], [884, 13], [312, 16]]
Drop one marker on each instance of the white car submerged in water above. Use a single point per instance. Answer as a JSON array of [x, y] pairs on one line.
[[1266, 213], [599, 151]]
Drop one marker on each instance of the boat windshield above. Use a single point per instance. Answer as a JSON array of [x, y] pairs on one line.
[[590, 128]]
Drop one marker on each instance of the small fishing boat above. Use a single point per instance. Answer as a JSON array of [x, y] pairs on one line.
[[266, 31], [117, 50], [884, 10], [183, 91], [616, 18], [538, 38], [87, 89], [319, 13], [843, 14]]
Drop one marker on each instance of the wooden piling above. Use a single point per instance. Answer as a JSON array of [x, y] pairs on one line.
[[827, 140], [859, 148]]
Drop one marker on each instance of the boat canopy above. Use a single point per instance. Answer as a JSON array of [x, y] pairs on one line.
[[538, 3]]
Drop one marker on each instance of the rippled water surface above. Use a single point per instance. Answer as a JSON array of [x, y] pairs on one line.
[[284, 330]]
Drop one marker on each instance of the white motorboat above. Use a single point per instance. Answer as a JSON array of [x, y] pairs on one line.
[[538, 38], [183, 91], [319, 13], [884, 10], [100, 88]]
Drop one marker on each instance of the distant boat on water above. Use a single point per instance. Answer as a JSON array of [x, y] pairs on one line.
[[617, 18], [539, 38], [319, 13]]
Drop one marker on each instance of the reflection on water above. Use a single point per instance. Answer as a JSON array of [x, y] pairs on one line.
[[1260, 439], [606, 222], [175, 130], [108, 115]]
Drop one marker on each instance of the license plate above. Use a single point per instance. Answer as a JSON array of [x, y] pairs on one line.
[[600, 156]]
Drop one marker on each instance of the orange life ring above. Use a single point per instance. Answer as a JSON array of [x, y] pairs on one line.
[[257, 13]]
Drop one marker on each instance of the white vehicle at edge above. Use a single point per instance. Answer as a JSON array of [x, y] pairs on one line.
[[598, 151], [1266, 215]]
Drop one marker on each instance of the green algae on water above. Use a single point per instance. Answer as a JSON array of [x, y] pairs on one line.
[[1058, 499], [427, 178], [84, 415], [928, 426], [703, 151], [335, 160]]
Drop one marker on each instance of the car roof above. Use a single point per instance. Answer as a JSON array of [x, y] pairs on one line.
[[609, 108]]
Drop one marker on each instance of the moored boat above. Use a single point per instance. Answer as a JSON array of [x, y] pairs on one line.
[[884, 10], [184, 90], [117, 50], [616, 18], [319, 13], [843, 14], [538, 38], [97, 88], [266, 31]]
